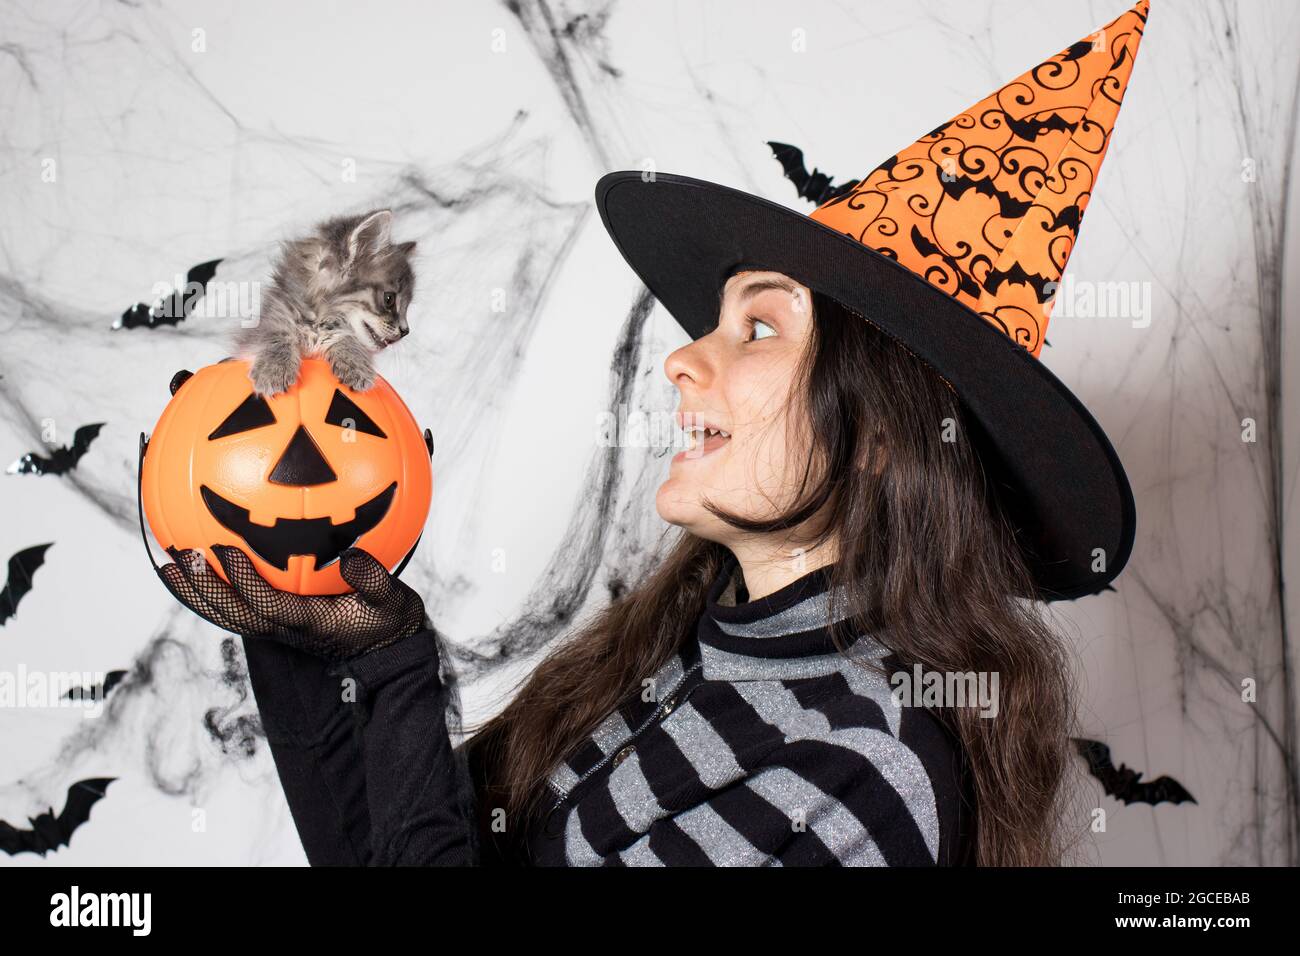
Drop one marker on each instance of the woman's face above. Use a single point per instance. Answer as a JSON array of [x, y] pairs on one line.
[[736, 385]]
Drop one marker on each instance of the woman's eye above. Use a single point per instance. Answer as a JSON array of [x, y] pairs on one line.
[[758, 329], [389, 299]]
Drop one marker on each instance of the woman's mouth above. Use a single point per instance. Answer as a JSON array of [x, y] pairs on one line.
[[702, 440]]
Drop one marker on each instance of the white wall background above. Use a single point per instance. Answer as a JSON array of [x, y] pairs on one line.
[[486, 131]]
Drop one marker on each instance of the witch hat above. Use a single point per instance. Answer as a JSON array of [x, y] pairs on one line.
[[953, 247]]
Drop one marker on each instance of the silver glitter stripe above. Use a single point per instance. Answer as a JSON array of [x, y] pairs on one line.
[[640, 854], [611, 734], [808, 615], [708, 753], [634, 801], [874, 686], [726, 665], [718, 839], [898, 764], [668, 677], [577, 850], [563, 777], [632, 796], [828, 819], [902, 770], [778, 707]]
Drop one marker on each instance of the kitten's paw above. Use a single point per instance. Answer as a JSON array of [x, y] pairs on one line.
[[356, 372], [271, 377]]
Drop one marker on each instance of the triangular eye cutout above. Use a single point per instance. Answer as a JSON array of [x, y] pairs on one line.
[[253, 412], [345, 413]]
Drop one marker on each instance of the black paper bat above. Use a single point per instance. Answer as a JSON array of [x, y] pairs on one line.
[[49, 832], [21, 568], [815, 186], [175, 307], [60, 460], [1126, 784], [96, 691]]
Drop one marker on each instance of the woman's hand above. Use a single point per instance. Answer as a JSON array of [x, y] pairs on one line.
[[336, 627]]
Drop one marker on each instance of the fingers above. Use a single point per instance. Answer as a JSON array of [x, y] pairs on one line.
[[177, 579], [222, 603], [275, 605], [215, 593], [379, 609], [183, 591], [367, 576]]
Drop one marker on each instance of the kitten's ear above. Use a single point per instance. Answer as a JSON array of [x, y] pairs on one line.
[[370, 235], [406, 248]]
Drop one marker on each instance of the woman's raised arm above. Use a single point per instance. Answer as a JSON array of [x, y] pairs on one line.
[[354, 709]]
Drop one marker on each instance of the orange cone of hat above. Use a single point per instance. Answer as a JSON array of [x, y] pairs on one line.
[[987, 206]]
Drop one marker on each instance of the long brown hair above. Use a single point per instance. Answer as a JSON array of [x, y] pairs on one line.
[[925, 557]]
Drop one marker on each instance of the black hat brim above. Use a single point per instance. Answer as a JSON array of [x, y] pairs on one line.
[[1056, 473]]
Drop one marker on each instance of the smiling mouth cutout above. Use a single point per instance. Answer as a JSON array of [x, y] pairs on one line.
[[318, 537]]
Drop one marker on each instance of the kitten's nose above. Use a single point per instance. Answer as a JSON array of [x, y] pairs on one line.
[[403, 330]]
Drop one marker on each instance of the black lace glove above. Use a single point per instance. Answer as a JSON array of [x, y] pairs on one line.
[[336, 627]]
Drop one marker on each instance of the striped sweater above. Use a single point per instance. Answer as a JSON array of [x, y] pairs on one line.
[[758, 743]]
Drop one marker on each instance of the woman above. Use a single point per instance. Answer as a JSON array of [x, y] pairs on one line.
[[816, 480], [882, 474]]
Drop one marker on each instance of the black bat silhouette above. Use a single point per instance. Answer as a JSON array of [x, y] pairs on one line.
[[49, 832], [21, 568], [1127, 784], [1042, 286], [176, 307], [815, 186], [96, 691], [61, 460]]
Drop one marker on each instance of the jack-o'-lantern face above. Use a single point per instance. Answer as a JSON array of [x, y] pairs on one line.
[[293, 479]]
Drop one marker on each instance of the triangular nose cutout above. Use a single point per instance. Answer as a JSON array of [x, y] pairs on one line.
[[302, 464]]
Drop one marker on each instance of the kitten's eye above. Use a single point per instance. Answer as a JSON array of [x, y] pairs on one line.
[[390, 299], [758, 329]]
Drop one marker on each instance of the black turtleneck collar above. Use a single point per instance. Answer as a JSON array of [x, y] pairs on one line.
[[776, 637]]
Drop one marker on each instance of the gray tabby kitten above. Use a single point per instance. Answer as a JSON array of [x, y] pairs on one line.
[[340, 294]]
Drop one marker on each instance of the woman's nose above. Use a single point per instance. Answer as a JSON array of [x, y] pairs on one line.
[[690, 363]]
